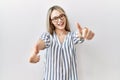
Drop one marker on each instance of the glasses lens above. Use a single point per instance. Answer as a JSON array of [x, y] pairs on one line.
[[58, 17]]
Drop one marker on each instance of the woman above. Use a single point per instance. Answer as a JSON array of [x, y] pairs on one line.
[[59, 43]]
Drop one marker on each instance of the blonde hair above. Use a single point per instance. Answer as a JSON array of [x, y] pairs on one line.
[[50, 26]]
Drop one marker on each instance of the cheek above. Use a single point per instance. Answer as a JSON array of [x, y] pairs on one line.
[[65, 20], [54, 24]]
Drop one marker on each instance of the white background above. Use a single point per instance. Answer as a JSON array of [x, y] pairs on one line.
[[22, 21]]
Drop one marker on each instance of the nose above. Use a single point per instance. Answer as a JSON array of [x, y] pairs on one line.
[[59, 19]]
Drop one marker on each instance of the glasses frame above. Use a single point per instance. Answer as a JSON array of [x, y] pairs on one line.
[[56, 18]]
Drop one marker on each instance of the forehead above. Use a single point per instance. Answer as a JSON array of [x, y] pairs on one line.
[[56, 13]]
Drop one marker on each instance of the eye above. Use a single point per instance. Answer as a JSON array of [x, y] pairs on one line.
[[55, 18], [62, 15], [58, 17]]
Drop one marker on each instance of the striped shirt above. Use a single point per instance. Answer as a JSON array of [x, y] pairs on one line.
[[60, 57]]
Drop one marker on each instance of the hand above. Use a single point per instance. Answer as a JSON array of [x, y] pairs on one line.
[[89, 34], [34, 58], [84, 32]]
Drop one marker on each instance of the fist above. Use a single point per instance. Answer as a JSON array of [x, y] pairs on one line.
[[34, 58], [87, 34]]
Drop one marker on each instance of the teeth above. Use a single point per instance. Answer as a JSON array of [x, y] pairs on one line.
[[60, 24]]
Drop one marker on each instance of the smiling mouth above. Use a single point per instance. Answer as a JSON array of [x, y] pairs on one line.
[[61, 24]]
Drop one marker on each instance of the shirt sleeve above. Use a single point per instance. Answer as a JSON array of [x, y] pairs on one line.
[[46, 38], [76, 39]]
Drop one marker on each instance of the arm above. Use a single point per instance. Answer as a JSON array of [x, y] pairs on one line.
[[40, 45]]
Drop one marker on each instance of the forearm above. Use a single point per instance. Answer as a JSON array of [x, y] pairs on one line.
[[40, 45], [34, 58]]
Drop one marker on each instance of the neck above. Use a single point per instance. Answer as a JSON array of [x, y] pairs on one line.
[[60, 32]]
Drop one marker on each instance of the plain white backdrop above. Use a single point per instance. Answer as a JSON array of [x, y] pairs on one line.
[[22, 22]]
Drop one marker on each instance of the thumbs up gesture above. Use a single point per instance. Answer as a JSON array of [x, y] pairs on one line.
[[84, 32]]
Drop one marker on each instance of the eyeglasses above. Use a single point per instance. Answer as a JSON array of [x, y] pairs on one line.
[[61, 16]]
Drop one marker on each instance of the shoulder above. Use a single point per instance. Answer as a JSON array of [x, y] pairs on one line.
[[45, 35]]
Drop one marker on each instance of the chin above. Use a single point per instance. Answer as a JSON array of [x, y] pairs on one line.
[[61, 27]]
